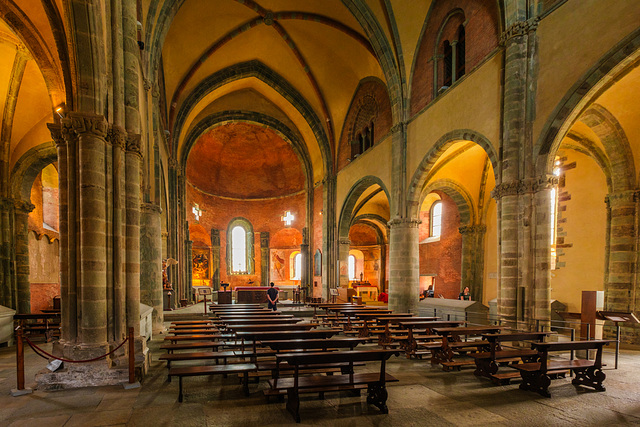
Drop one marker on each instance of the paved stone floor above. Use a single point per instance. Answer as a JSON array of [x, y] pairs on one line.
[[424, 396]]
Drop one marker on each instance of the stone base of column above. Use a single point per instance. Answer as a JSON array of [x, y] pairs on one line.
[[112, 370]]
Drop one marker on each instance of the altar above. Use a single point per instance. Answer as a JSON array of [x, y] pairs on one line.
[[251, 294], [365, 290]]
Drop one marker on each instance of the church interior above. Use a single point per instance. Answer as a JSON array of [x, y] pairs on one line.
[[390, 153]]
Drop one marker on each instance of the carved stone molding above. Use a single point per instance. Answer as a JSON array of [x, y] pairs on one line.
[[344, 242], [398, 127], [134, 144], [518, 29], [76, 124], [117, 136], [264, 239], [525, 186], [56, 133], [621, 198], [173, 163], [472, 229], [23, 206], [404, 222]]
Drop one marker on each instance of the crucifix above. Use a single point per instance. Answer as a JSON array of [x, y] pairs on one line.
[[287, 218], [197, 212]]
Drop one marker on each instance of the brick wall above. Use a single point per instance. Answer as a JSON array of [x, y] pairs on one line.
[[382, 123], [481, 34], [444, 257], [264, 215]]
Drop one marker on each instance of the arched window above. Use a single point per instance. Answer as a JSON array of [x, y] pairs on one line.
[[460, 53], [240, 247], [436, 219], [296, 266], [352, 267], [448, 64]]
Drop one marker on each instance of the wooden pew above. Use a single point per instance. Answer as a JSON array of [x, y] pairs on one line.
[[257, 336], [451, 344], [192, 371], [535, 375], [200, 337], [488, 362], [413, 346], [262, 320], [375, 382]]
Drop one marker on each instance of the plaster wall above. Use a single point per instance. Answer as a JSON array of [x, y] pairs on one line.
[[582, 224], [43, 272], [472, 104], [571, 40], [376, 162], [490, 276]]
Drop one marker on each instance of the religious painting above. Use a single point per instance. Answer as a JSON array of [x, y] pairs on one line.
[[200, 264], [317, 271], [278, 265]]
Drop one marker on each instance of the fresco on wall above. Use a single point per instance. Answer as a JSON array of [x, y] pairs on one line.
[[277, 265], [200, 264]]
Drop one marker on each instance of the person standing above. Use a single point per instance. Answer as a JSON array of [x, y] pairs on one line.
[[272, 296]]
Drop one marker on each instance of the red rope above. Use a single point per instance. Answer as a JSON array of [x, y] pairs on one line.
[[38, 350]]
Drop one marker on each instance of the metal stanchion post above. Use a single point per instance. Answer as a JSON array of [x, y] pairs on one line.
[[132, 363], [21, 389], [617, 342]]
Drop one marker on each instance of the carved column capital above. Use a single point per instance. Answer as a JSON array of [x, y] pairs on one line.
[[525, 186], [344, 242], [150, 207], [23, 206], [473, 229], [621, 198], [518, 29], [134, 144], [404, 222], [56, 133], [76, 124], [117, 136]]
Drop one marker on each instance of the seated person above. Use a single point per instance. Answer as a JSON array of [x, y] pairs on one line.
[[383, 297], [465, 295]]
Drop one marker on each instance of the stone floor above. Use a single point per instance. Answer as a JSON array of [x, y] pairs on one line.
[[424, 396]]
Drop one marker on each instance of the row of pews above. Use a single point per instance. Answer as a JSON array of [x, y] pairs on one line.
[[496, 353], [295, 356], [292, 355]]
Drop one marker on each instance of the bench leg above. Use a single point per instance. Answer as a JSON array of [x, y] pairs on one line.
[[180, 389], [590, 377], [293, 403], [377, 396], [535, 381], [245, 383]]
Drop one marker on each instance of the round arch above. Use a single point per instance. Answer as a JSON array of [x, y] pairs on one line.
[[418, 181], [460, 196], [28, 167], [346, 214], [580, 96]]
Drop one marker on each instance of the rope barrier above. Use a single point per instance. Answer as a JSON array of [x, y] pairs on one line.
[[40, 351]]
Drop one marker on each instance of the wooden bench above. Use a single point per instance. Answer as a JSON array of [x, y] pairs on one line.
[[40, 325], [214, 345], [199, 337], [451, 344], [535, 375], [204, 355], [488, 362], [192, 371], [375, 382]]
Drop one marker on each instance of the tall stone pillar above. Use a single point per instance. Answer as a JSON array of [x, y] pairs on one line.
[[473, 259], [132, 240], [383, 267], [215, 258], [8, 291], [343, 262], [151, 262], [188, 291], [404, 265], [305, 274], [540, 305], [330, 256], [264, 257], [619, 288], [21, 222]]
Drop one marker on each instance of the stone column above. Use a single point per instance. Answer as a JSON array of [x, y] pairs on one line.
[[383, 264], [21, 222], [540, 306], [508, 255], [473, 259], [343, 262], [133, 157], [304, 253], [404, 265], [215, 258], [619, 288], [264, 257], [151, 262], [8, 292], [330, 257], [188, 291]]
